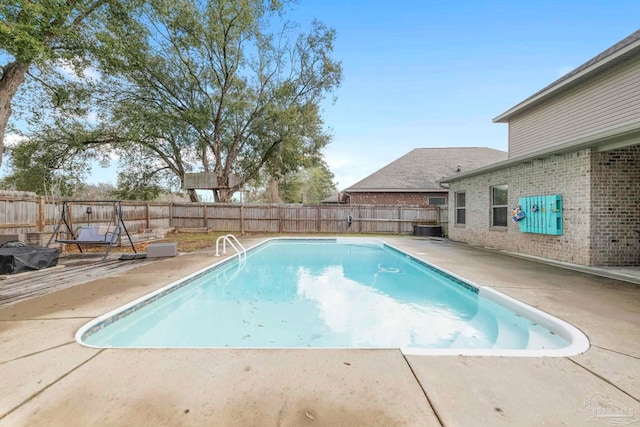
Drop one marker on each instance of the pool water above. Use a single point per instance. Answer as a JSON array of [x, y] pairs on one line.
[[323, 294]]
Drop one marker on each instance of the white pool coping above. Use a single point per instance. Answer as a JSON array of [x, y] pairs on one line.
[[578, 342]]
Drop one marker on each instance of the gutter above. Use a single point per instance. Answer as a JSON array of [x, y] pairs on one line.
[[394, 190], [618, 137]]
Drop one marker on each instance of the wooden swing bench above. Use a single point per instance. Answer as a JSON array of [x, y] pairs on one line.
[[90, 236], [108, 236]]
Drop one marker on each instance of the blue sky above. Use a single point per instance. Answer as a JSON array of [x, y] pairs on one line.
[[435, 74]]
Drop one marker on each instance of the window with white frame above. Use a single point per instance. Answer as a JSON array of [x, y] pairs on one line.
[[436, 201], [499, 208], [461, 208]]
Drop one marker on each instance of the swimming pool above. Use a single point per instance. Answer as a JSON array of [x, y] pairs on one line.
[[333, 293]]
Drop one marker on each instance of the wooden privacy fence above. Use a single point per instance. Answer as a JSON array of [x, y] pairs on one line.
[[293, 218], [26, 213]]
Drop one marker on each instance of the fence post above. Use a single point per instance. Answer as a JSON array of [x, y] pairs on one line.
[[319, 218], [374, 224], [148, 217], [70, 217], [280, 222], [205, 220], [170, 214], [41, 214], [399, 219], [242, 220]]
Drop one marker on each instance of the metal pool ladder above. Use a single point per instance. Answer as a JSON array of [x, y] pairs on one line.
[[233, 241]]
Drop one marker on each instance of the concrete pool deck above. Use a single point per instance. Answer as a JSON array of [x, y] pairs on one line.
[[49, 379]]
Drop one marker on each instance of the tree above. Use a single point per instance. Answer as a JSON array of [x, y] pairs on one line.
[[319, 184], [311, 185], [41, 34], [49, 169], [101, 191], [142, 188], [206, 87], [144, 177]]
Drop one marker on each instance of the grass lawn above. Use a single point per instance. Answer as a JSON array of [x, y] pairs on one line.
[[187, 242]]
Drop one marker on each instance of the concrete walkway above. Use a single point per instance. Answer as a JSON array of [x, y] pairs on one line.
[[49, 379]]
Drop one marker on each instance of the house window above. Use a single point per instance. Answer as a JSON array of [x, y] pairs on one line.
[[461, 208], [434, 201], [499, 208]]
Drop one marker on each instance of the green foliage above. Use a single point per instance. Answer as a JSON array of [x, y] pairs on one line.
[[45, 169], [44, 38], [136, 187], [319, 184], [311, 185], [101, 191], [184, 85], [43, 31], [143, 175], [28, 29], [205, 87]]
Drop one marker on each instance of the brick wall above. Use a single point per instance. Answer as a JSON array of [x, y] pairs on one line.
[[566, 174], [394, 199], [615, 195]]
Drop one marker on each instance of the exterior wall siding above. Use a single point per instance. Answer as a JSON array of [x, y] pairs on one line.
[[615, 194], [566, 174], [394, 199], [607, 101]]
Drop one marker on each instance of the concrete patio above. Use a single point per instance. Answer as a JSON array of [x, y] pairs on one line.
[[49, 379]]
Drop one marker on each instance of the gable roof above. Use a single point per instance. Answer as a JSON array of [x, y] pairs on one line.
[[625, 48], [422, 168]]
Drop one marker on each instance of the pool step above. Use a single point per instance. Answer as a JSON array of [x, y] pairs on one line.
[[510, 336]]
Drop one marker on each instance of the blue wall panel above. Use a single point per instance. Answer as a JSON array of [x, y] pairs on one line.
[[543, 214]]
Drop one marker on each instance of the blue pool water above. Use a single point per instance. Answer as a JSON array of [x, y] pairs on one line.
[[322, 293]]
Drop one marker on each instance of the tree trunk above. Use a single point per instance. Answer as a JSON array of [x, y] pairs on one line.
[[193, 196], [13, 76], [224, 195], [273, 191]]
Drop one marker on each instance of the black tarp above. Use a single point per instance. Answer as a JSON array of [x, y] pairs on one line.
[[25, 258], [427, 230]]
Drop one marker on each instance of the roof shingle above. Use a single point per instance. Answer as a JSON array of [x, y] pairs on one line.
[[422, 168]]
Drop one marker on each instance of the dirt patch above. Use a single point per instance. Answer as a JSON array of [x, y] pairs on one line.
[[187, 242]]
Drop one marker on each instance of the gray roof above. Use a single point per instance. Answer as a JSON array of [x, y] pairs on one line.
[[625, 48], [333, 198], [422, 168]]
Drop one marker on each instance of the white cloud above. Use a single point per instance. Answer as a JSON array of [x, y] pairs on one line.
[[68, 70], [92, 73], [350, 166], [92, 117], [12, 139], [369, 317], [103, 175]]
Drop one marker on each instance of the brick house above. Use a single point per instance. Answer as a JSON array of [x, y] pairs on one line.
[[413, 179], [576, 145]]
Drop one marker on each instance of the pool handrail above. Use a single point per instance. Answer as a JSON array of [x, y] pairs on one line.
[[230, 238]]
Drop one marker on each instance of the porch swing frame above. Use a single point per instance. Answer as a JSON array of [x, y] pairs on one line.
[[88, 236]]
